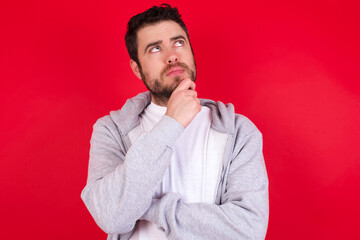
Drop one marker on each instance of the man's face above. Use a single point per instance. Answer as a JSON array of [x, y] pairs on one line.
[[165, 57]]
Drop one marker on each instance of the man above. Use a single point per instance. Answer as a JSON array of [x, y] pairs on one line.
[[169, 165]]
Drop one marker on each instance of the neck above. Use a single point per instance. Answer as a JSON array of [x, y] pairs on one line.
[[161, 101]]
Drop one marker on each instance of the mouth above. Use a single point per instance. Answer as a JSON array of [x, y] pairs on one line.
[[175, 71]]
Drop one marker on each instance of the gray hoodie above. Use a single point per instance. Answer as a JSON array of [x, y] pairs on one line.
[[123, 178]]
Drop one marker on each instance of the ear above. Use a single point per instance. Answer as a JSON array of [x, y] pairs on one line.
[[135, 68]]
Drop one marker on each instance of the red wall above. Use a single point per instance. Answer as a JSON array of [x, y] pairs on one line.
[[292, 68]]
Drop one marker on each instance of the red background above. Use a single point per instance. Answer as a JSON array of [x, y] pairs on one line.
[[292, 67]]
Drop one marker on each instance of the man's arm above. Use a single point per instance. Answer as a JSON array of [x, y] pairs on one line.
[[243, 212], [120, 186]]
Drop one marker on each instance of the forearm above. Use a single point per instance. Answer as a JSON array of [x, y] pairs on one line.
[[243, 209], [232, 220]]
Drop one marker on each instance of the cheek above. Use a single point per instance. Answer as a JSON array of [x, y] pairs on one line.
[[152, 67], [188, 58], [190, 62]]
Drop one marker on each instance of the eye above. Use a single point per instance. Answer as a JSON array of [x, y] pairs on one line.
[[179, 43], [155, 49]]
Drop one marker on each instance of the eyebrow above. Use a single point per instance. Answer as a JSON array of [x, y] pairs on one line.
[[160, 41], [178, 37]]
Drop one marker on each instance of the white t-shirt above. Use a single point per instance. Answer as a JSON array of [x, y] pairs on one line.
[[191, 172]]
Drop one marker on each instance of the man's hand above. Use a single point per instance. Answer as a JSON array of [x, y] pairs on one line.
[[183, 104]]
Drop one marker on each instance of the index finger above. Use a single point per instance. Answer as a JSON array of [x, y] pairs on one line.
[[185, 85]]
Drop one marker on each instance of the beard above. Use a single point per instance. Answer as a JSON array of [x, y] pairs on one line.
[[161, 93]]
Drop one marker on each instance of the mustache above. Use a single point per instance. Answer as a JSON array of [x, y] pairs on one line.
[[177, 64]]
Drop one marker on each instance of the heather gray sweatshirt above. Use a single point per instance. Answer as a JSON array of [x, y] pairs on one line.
[[122, 178]]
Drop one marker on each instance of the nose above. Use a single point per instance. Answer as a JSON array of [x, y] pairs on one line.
[[172, 58]]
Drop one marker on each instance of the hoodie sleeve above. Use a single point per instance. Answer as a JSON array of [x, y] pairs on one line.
[[121, 184], [243, 210]]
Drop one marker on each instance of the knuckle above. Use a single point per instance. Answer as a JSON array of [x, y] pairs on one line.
[[182, 93]]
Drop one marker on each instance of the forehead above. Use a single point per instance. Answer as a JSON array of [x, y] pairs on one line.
[[163, 31]]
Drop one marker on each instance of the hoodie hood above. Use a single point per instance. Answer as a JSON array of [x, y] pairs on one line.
[[223, 116]]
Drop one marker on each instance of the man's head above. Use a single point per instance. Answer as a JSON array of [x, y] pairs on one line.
[[159, 47]]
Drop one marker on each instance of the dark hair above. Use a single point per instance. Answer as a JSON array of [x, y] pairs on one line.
[[151, 16]]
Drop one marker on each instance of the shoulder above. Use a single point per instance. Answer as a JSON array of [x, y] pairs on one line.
[[244, 125], [127, 117], [226, 120], [246, 135], [105, 121]]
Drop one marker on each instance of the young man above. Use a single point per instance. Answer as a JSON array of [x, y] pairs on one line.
[[169, 165]]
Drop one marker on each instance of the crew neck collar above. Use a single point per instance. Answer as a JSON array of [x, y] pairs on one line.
[[154, 108]]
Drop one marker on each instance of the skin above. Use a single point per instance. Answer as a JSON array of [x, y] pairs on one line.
[[168, 69]]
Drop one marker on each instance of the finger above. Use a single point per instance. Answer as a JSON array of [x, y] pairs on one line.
[[185, 85], [192, 85], [191, 93]]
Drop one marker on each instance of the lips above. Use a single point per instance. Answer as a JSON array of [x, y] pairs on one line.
[[174, 71]]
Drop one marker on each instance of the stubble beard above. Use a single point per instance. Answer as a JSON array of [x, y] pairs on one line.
[[160, 93]]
